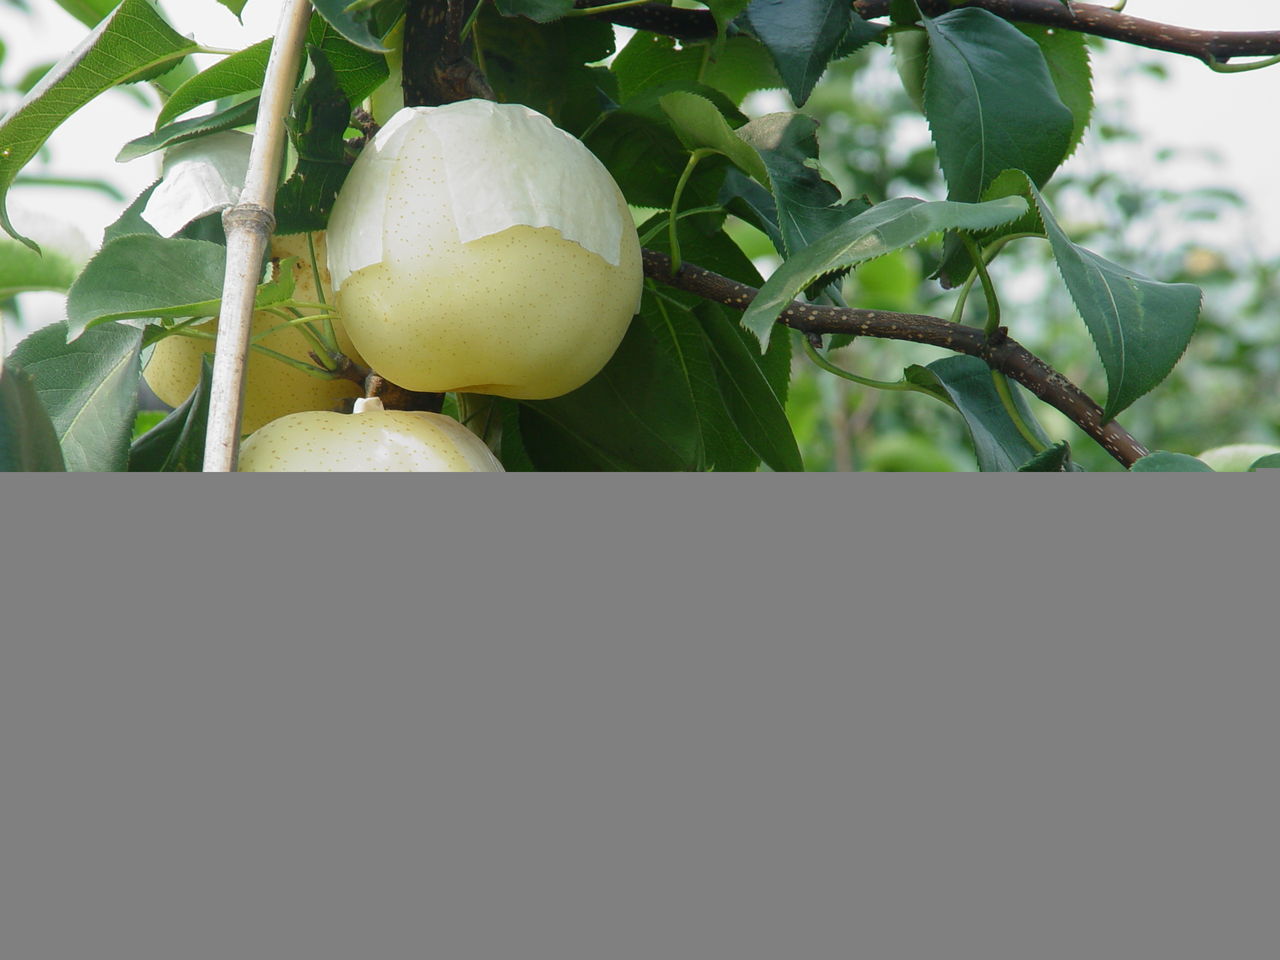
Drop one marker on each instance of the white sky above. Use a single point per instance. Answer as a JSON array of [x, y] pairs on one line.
[[1196, 108]]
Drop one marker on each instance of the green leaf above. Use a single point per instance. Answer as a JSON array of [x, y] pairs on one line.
[[542, 11], [996, 439], [235, 6], [807, 206], [238, 73], [88, 12], [911, 59], [650, 61], [635, 415], [139, 276], [699, 124], [724, 11], [145, 420], [239, 115], [22, 269], [354, 29], [756, 409], [89, 388], [658, 404], [28, 442], [1140, 327], [359, 72], [802, 36], [991, 103], [645, 157], [1066, 53], [1056, 459], [888, 226], [1270, 462], [134, 43], [1162, 461], [319, 118], [176, 443], [544, 67]]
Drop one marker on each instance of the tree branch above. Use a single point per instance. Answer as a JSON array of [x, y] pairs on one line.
[[436, 69], [1206, 45], [1000, 352]]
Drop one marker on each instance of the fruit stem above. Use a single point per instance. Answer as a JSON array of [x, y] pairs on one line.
[[1011, 408], [330, 336], [673, 213], [830, 367]]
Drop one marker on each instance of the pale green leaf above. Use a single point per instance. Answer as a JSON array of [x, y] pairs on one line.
[[700, 124], [888, 226], [133, 43], [1162, 461], [89, 388]]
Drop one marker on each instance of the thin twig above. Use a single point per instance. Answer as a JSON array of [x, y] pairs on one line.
[[999, 352], [1211, 46]]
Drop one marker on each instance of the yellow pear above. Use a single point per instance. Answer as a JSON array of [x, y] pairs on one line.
[[369, 440], [272, 389], [476, 247]]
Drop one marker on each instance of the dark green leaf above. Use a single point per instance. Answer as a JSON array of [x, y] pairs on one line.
[[657, 405], [180, 131], [543, 11], [320, 116], [235, 6], [802, 36], [89, 388], [1056, 459], [1066, 53], [991, 103], [650, 61], [134, 43], [1162, 461], [544, 65], [643, 154], [807, 206], [888, 226], [860, 33], [756, 409], [628, 417], [28, 442], [904, 12], [996, 439], [348, 24], [147, 276], [176, 444], [1140, 327], [1270, 462]]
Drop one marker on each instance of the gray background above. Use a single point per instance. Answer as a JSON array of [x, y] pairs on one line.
[[646, 717]]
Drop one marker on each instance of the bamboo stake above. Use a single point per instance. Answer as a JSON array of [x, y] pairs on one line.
[[249, 225]]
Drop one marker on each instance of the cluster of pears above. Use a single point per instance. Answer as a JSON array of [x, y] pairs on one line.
[[473, 248]]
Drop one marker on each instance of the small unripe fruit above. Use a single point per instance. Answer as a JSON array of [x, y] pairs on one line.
[[272, 389], [372, 440], [477, 248]]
